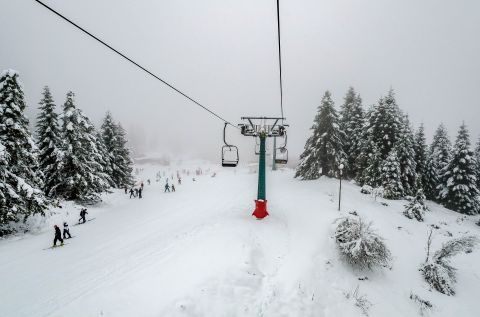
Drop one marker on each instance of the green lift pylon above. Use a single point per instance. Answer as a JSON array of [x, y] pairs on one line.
[[262, 131]]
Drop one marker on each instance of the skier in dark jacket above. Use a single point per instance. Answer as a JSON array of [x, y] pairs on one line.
[[83, 212], [58, 236], [132, 193], [167, 188], [140, 190], [126, 190], [66, 231], [173, 188]]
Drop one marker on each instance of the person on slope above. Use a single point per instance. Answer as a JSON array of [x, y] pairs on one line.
[[148, 181], [58, 236], [83, 213], [126, 190], [140, 190], [132, 193], [136, 192], [167, 188], [173, 188], [66, 231]]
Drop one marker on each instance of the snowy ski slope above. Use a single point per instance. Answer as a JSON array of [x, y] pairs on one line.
[[198, 252]]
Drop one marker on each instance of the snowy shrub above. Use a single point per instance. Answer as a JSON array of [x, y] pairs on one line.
[[360, 245], [437, 270], [423, 304], [366, 189], [416, 208], [360, 301]]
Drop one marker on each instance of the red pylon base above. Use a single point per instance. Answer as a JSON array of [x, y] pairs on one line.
[[260, 209]]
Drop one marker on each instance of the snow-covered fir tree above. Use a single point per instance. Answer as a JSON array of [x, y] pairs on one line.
[[81, 176], [371, 161], [99, 181], [421, 153], [406, 155], [49, 143], [114, 139], [477, 158], [430, 178], [323, 151], [352, 123], [21, 195], [458, 181], [391, 177], [441, 148], [385, 124], [104, 158]]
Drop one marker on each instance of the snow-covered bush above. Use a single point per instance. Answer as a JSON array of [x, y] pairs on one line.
[[416, 208], [423, 304], [437, 270], [360, 245], [366, 189]]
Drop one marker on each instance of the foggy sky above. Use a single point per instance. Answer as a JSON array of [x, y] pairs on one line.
[[224, 54]]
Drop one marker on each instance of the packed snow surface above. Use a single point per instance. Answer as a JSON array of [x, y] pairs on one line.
[[198, 252]]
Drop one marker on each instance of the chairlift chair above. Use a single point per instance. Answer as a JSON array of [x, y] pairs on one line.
[[229, 152], [281, 153]]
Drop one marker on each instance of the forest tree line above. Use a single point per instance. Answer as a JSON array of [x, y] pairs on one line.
[[379, 149], [66, 158]]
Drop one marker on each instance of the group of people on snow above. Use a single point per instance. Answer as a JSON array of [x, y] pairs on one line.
[[136, 191], [66, 228]]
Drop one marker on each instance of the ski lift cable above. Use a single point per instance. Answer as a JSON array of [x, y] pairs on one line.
[[280, 57], [133, 62]]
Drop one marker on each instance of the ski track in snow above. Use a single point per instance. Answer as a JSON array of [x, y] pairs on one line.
[[198, 252]]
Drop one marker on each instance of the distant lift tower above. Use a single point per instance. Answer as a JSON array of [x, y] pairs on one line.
[[262, 127]]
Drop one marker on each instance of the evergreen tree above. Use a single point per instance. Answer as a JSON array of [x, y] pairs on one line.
[[421, 154], [351, 123], [477, 158], [309, 166], [21, 195], [104, 159], [371, 174], [120, 163], [441, 148], [49, 143], [458, 182], [82, 177], [406, 155], [329, 143], [385, 124], [430, 178], [391, 177]]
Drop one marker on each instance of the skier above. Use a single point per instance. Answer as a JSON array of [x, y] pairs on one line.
[[126, 190], [136, 192], [140, 192], [141, 185], [132, 193], [173, 188], [58, 236], [167, 188], [148, 181], [83, 212], [66, 231], [179, 181]]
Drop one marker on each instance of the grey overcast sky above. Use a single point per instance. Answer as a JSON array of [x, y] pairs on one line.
[[224, 54]]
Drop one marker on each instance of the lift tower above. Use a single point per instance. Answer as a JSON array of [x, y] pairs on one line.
[[262, 127]]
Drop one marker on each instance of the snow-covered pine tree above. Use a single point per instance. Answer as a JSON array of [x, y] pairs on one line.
[[309, 166], [371, 173], [329, 143], [420, 148], [406, 155], [441, 148], [49, 143], [80, 174], [104, 158], [99, 181], [123, 160], [391, 177], [385, 124], [352, 123], [113, 137], [458, 181], [430, 178], [477, 158], [21, 194]]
